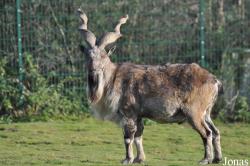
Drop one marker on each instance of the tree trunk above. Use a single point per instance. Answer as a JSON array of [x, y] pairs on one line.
[[241, 9], [221, 16], [210, 15]]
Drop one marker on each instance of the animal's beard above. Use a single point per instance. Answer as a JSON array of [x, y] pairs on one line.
[[93, 83], [95, 86]]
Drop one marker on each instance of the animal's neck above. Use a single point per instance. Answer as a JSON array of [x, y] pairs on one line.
[[106, 106]]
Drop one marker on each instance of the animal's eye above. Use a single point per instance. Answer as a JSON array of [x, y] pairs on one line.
[[103, 56]]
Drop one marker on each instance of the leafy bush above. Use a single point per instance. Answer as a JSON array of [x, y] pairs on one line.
[[234, 105], [236, 111], [41, 101], [8, 92], [242, 112]]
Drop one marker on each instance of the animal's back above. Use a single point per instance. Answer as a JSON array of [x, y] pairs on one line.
[[161, 91], [169, 78]]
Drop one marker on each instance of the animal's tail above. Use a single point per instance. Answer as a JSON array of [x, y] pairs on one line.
[[220, 87]]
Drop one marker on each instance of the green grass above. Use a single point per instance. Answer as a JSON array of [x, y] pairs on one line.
[[92, 142]]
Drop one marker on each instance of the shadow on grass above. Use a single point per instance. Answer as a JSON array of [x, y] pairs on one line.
[[33, 143], [92, 162]]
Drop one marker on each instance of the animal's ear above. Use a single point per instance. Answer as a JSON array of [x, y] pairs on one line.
[[83, 49], [111, 50]]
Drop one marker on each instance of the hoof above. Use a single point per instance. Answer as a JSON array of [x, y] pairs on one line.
[[205, 162], [127, 161], [138, 160], [217, 160]]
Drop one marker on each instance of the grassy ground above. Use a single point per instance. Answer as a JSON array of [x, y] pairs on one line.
[[96, 143]]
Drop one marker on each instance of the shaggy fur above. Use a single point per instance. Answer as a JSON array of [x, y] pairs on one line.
[[126, 93], [166, 94]]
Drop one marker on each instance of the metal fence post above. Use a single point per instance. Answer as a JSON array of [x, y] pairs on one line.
[[202, 33], [19, 43]]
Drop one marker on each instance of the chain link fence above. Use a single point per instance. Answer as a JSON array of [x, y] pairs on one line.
[[212, 33]]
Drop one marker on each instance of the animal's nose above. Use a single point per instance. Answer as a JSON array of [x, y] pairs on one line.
[[91, 66], [91, 70]]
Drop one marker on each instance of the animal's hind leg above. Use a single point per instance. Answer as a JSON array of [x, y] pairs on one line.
[[138, 142], [216, 140], [198, 123]]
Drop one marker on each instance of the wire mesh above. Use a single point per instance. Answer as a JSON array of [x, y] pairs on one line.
[[158, 32]]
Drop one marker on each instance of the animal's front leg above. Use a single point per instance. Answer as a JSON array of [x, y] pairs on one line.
[[129, 132]]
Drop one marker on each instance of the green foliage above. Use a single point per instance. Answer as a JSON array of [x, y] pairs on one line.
[[237, 112], [242, 111], [40, 100], [8, 91], [233, 106], [48, 100], [157, 32]]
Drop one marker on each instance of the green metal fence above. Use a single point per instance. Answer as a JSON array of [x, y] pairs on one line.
[[211, 33]]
